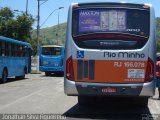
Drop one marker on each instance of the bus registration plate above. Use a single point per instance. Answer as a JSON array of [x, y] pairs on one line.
[[109, 90]]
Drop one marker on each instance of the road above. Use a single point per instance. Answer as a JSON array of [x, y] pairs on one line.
[[38, 94]]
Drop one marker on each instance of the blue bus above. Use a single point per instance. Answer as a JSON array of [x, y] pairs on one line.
[[15, 58], [51, 59]]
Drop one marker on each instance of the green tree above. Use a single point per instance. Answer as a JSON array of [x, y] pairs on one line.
[[158, 33], [24, 27], [6, 13], [16, 27]]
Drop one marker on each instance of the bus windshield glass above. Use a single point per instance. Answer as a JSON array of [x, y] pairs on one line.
[[120, 20], [51, 51]]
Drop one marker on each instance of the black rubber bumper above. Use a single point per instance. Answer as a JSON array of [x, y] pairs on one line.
[[101, 90]]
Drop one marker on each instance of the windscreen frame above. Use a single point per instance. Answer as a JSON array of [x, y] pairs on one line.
[[109, 35], [74, 30]]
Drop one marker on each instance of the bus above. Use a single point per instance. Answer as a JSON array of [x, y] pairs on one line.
[[15, 58], [51, 59], [110, 51]]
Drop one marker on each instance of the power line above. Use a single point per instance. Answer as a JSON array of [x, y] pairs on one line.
[[43, 2], [48, 17], [51, 14]]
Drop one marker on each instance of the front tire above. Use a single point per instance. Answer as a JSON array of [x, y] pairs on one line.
[[62, 73], [47, 73]]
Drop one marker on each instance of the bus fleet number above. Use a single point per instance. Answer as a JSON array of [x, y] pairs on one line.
[[129, 64]]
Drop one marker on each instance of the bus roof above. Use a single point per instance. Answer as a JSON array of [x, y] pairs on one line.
[[120, 2], [14, 41], [52, 46]]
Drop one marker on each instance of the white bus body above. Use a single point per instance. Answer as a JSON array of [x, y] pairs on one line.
[[110, 50]]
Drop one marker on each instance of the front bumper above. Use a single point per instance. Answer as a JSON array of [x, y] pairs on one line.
[[72, 88]]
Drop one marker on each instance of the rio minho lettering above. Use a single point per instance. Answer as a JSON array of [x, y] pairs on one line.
[[124, 55]]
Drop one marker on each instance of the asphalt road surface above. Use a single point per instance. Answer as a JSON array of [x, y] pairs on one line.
[[38, 94]]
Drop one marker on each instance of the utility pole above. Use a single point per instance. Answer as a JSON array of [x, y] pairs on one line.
[[38, 31], [58, 28], [38, 19], [26, 7], [58, 24]]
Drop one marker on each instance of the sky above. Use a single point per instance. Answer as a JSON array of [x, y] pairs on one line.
[[51, 5]]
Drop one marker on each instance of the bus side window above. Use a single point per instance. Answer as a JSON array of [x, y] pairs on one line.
[[24, 49], [3, 48], [6, 49], [30, 51], [0, 48], [21, 51], [10, 49], [16, 50], [13, 50]]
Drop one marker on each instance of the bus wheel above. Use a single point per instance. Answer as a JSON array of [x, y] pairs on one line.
[[85, 100], [4, 76], [62, 73], [47, 73]]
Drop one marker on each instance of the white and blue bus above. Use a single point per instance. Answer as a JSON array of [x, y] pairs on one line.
[[51, 59], [15, 58], [110, 51]]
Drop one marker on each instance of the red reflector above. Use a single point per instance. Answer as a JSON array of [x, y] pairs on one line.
[[146, 6], [150, 71], [76, 6], [69, 69]]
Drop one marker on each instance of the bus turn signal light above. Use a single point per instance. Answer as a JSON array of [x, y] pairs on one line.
[[69, 69], [150, 71]]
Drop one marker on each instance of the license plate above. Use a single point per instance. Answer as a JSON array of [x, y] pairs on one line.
[[136, 73], [109, 90]]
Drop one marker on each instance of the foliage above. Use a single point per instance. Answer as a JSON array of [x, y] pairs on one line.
[[16, 27], [158, 33], [24, 27], [49, 35], [6, 13]]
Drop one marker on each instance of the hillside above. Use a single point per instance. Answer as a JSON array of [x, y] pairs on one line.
[[158, 33], [48, 35]]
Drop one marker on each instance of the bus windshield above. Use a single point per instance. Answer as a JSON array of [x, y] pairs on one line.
[[110, 28], [51, 51], [129, 21]]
